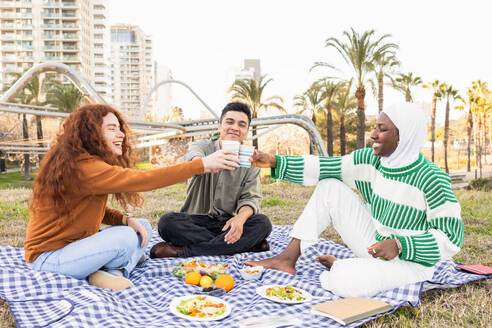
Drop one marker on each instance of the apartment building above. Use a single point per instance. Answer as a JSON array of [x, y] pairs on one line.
[[73, 32], [131, 69]]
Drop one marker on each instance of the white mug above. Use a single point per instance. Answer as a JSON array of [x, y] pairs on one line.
[[245, 153], [230, 145]]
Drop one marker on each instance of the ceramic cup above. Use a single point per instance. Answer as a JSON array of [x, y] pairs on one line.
[[230, 145], [245, 153]]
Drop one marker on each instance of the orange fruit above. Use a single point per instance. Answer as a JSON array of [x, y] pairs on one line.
[[206, 281], [224, 281], [193, 278]]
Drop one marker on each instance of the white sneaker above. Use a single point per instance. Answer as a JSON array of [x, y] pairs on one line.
[[103, 279]]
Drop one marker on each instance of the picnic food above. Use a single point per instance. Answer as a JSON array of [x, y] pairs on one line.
[[249, 273], [201, 307], [193, 278], [285, 293], [224, 281], [206, 281], [212, 270]]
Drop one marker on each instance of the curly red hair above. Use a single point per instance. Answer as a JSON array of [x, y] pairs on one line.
[[81, 133]]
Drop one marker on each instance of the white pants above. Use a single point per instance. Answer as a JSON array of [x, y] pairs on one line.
[[334, 202]]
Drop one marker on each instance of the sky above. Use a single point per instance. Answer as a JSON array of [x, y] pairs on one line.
[[202, 41]]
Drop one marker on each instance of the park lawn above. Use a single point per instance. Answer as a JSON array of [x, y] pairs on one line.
[[467, 306], [15, 180]]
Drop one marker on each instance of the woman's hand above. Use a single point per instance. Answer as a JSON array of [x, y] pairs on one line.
[[264, 160], [387, 249], [220, 160], [140, 229]]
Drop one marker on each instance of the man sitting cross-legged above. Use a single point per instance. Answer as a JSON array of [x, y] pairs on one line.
[[220, 214]]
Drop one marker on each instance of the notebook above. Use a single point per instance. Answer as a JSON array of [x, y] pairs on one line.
[[476, 268], [348, 310]]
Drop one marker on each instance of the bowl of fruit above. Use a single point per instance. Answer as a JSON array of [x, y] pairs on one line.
[[204, 269]]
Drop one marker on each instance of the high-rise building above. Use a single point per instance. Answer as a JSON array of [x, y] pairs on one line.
[[101, 49], [253, 66], [250, 70], [67, 31], [163, 95], [131, 69]]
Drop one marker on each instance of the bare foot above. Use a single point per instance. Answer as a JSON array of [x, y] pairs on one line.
[[276, 263], [326, 260], [285, 261]]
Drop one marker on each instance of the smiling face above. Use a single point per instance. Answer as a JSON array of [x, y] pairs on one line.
[[234, 126], [112, 133], [384, 136]]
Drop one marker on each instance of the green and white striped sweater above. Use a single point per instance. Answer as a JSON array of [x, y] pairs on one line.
[[414, 203]]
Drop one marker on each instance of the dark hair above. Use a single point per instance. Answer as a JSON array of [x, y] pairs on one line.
[[237, 107]]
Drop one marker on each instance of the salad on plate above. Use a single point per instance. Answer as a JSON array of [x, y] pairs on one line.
[[284, 294], [200, 307]]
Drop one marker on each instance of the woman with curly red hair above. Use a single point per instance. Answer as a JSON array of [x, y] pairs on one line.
[[91, 158]]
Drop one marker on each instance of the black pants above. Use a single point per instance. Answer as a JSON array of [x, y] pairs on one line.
[[203, 235]]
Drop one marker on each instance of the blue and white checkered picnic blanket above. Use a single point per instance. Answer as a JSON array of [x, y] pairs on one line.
[[41, 299]]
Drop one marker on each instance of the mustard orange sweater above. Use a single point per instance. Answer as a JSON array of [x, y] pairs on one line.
[[46, 231]]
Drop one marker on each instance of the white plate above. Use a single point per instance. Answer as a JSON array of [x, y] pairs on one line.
[[262, 292], [175, 303]]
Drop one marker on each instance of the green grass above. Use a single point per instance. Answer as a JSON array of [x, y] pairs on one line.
[[15, 180], [274, 201], [9, 210], [467, 306]]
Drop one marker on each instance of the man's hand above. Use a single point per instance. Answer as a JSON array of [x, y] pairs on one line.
[[140, 229], [220, 160], [263, 160], [236, 229], [387, 249]]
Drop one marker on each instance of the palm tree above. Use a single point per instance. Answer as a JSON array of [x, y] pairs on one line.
[[310, 101], [471, 103], [483, 107], [329, 91], [251, 92], [176, 114], [36, 88], [447, 93], [359, 52], [384, 65], [344, 105], [404, 82], [23, 98], [66, 98], [436, 95]]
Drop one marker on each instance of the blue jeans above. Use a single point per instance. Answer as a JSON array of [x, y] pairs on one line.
[[115, 247]]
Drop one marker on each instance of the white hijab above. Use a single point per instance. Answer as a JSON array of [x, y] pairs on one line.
[[412, 127]]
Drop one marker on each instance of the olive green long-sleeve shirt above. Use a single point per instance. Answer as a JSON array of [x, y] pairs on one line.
[[220, 194]]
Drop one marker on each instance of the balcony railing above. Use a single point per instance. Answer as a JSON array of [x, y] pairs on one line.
[[69, 15], [51, 36], [8, 37], [71, 58], [53, 15], [51, 58], [49, 26], [70, 37], [70, 4], [68, 48], [16, 15], [57, 47]]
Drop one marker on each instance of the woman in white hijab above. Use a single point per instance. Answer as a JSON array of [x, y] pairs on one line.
[[408, 220]]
